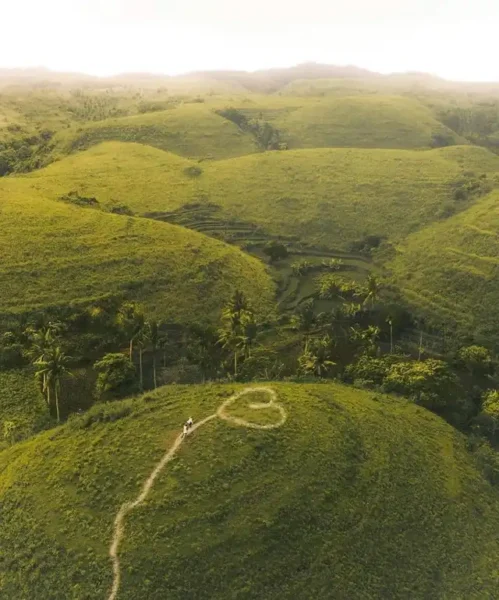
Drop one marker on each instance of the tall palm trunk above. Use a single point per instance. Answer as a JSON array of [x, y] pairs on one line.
[[420, 345], [131, 349], [47, 390], [141, 374], [56, 389], [44, 389], [391, 338], [154, 369], [235, 363]]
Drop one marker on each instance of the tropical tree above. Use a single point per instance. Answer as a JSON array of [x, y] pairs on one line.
[[373, 289], [239, 328], [41, 344], [130, 319], [304, 318], [316, 357], [230, 339], [116, 374], [389, 320], [249, 331], [366, 338], [476, 359], [52, 368], [275, 251], [329, 286], [152, 334]]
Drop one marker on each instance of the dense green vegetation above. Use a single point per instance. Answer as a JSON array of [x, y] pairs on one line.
[[357, 495]]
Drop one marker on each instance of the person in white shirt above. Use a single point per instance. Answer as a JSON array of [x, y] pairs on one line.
[[186, 429], [189, 422]]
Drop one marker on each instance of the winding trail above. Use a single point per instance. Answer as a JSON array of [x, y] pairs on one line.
[[127, 507]]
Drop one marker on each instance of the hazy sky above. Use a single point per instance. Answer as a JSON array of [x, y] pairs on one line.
[[452, 38]]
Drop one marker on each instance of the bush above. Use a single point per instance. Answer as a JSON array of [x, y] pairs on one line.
[[371, 371], [275, 251], [116, 376], [429, 383], [193, 171]]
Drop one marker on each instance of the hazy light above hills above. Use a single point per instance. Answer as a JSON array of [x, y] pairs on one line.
[[455, 40]]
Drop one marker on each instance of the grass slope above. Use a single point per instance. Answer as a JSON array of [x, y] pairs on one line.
[[72, 254], [452, 268], [362, 122], [326, 196], [21, 403], [192, 130], [379, 501]]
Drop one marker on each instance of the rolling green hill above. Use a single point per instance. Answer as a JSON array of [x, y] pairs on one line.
[[355, 496], [327, 197], [452, 268], [192, 130], [363, 122], [56, 253]]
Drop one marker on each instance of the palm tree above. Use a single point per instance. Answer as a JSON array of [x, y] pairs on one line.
[[52, 369], [153, 336], [372, 291], [316, 357], [131, 320], [389, 320], [42, 341], [231, 339], [249, 330]]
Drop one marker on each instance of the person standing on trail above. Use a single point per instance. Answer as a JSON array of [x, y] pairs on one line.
[[186, 429], [189, 422]]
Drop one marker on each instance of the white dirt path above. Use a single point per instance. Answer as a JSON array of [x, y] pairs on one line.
[[119, 521]]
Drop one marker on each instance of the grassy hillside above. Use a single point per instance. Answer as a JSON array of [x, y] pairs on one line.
[[379, 501], [452, 268], [362, 122], [192, 130], [73, 254], [21, 403], [328, 197]]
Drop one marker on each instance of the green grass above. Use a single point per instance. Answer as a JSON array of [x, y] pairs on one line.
[[451, 269], [21, 403], [362, 122], [326, 197], [192, 130], [54, 253], [356, 496]]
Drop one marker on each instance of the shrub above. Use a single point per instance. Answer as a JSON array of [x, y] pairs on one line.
[[116, 375], [275, 251], [193, 171], [429, 383]]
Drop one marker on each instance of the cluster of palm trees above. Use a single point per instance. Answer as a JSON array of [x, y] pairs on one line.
[[143, 334], [239, 328], [50, 361]]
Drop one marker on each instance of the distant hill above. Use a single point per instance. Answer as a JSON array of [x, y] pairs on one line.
[[355, 496], [191, 129]]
